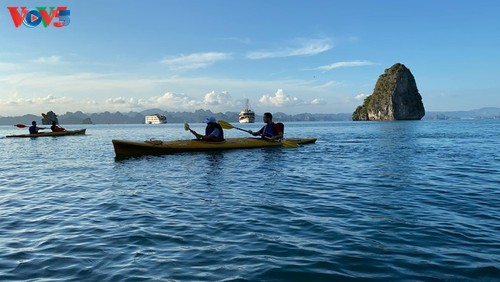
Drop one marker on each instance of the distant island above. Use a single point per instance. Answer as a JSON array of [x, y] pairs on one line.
[[200, 115], [395, 97], [172, 117]]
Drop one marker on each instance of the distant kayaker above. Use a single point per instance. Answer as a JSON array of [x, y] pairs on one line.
[[56, 128], [271, 130], [213, 131], [34, 129]]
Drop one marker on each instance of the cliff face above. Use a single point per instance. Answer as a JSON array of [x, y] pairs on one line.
[[48, 118], [395, 97]]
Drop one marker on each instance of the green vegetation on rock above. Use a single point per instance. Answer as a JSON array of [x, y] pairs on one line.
[[395, 97]]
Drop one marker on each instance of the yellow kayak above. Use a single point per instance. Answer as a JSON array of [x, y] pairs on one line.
[[125, 148], [50, 134]]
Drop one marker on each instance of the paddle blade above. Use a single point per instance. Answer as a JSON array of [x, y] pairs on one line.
[[225, 124], [186, 126], [20, 125], [289, 144]]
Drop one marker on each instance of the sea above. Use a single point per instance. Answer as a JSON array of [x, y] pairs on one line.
[[369, 201]]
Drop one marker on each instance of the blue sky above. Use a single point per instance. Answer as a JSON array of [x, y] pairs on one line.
[[289, 56]]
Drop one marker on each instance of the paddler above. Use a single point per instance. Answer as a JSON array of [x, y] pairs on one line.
[[269, 131], [34, 129], [213, 131], [56, 128]]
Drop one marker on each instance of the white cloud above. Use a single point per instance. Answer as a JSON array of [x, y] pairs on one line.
[[116, 101], [318, 101], [305, 48], [195, 60], [8, 67], [169, 101], [216, 99], [327, 85], [172, 101], [360, 97], [97, 92], [15, 104], [281, 99], [344, 65], [48, 60], [50, 100]]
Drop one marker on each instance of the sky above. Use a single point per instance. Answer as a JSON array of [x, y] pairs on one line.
[[291, 56]]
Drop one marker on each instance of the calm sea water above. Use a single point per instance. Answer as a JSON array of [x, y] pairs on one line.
[[376, 201]]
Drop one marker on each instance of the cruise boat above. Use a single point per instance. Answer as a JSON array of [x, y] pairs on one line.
[[247, 115], [155, 119]]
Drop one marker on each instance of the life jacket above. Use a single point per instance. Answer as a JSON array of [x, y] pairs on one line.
[[281, 127], [55, 128], [209, 129], [268, 131]]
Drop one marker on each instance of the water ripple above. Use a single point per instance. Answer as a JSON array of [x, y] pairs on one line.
[[402, 201]]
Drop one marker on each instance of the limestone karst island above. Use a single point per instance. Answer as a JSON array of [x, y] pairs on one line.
[[395, 97]]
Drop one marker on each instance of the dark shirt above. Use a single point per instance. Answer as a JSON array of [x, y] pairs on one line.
[[211, 127], [33, 129]]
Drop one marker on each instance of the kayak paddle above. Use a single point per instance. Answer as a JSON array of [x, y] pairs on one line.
[[186, 127], [19, 125], [227, 125]]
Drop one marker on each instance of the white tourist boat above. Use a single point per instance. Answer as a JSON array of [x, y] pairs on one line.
[[247, 115], [155, 119]]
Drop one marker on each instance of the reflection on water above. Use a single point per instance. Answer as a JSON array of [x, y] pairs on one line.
[[213, 167]]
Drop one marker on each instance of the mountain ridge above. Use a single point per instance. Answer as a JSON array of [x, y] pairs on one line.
[[200, 115]]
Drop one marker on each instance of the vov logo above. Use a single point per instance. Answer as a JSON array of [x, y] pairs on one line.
[[33, 17]]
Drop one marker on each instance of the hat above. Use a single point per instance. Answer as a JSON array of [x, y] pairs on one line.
[[210, 119]]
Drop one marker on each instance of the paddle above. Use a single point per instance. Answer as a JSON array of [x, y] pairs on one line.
[[227, 125], [186, 127], [47, 117], [24, 125]]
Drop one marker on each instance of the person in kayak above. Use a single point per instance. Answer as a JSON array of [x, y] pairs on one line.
[[271, 130], [34, 129], [56, 128], [213, 131]]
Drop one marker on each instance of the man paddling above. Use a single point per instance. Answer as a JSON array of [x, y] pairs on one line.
[[34, 129], [56, 128], [213, 131], [269, 131]]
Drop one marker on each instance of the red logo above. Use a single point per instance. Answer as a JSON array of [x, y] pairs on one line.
[[45, 15]]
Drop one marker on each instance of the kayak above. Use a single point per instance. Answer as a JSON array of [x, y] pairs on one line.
[[125, 148], [50, 134]]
